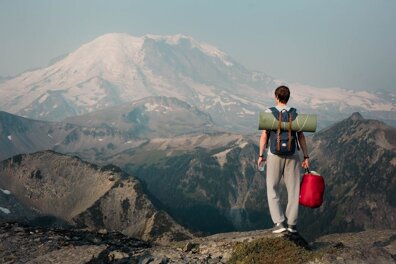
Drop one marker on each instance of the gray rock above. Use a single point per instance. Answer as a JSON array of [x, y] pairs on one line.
[[111, 178], [117, 255], [188, 247], [163, 260], [146, 260], [102, 231]]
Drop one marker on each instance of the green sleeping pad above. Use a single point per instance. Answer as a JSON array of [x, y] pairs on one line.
[[303, 122]]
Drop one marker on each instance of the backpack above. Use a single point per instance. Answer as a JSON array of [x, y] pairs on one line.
[[283, 142]]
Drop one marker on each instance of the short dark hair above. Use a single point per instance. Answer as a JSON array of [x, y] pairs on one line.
[[283, 94]]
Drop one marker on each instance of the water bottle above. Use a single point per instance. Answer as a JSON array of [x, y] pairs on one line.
[[261, 166]]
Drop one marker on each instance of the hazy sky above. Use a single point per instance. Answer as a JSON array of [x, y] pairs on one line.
[[335, 43]]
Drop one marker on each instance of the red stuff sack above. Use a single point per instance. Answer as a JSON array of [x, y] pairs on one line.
[[312, 189]]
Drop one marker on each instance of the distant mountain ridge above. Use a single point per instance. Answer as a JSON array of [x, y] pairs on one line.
[[22, 135], [115, 129], [117, 68], [155, 116]]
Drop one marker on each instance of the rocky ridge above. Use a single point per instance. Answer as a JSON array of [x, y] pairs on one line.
[[24, 244]]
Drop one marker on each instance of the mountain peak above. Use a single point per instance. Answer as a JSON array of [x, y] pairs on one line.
[[115, 39], [356, 116], [178, 39], [171, 39], [115, 35]]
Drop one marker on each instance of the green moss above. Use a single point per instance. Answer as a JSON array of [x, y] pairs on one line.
[[272, 250]]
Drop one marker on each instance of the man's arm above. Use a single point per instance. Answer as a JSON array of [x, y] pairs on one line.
[[303, 144], [263, 142]]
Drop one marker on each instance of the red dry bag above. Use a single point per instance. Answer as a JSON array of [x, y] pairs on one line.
[[312, 189]]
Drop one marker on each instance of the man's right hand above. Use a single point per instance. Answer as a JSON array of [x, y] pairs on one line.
[[305, 163], [260, 160]]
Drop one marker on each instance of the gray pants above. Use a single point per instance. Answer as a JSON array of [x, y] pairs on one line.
[[289, 168]]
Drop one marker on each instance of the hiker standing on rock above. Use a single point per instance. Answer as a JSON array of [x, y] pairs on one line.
[[283, 160]]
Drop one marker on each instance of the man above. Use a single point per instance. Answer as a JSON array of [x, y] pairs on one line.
[[283, 165]]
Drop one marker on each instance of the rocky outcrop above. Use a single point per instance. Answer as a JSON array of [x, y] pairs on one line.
[[127, 209], [365, 247], [371, 246], [64, 190], [24, 244]]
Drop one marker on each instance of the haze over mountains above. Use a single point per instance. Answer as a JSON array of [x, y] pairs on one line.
[[117, 68], [180, 116]]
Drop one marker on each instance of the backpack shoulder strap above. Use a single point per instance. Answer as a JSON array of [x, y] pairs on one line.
[[278, 131], [290, 130], [275, 112], [293, 112]]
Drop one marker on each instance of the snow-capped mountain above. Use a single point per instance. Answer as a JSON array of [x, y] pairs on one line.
[[117, 68]]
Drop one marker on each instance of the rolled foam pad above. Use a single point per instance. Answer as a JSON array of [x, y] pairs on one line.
[[303, 122]]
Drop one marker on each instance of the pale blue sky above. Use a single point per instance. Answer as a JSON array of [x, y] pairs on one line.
[[345, 43]]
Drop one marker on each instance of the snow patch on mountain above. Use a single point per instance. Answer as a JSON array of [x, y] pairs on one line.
[[5, 191], [5, 210], [157, 108], [222, 157], [204, 47], [43, 98], [317, 97], [247, 112], [223, 102]]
